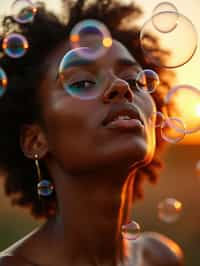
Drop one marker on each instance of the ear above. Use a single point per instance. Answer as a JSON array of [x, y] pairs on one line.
[[33, 141]]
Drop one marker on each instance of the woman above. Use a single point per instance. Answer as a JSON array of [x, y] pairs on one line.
[[94, 158]]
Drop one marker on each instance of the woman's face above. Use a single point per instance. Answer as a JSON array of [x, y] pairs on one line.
[[86, 135]]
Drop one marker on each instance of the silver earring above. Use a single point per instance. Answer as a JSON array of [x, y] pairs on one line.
[[44, 186]]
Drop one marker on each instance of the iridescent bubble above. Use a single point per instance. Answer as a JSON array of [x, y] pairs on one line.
[[45, 188], [156, 119], [183, 102], [131, 231], [172, 130], [147, 80], [23, 11], [169, 210], [3, 82], [85, 85], [92, 34], [15, 45], [174, 49]]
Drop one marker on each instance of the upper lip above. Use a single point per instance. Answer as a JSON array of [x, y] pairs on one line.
[[122, 110]]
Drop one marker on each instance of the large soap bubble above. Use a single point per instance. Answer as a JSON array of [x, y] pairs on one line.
[[178, 45]]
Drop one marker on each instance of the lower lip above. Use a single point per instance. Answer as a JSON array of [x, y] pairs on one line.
[[125, 124]]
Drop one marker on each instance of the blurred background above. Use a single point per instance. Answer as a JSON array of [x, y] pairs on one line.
[[179, 178]]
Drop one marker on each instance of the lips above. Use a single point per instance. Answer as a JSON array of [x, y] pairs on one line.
[[123, 116]]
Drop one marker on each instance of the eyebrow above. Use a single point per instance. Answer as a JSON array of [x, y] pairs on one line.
[[77, 61]]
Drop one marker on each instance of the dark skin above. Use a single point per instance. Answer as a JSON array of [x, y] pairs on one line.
[[91, 164]]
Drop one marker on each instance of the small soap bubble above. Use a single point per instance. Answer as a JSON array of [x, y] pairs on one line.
[[23, 11], [131, 231], [183, 102], [147, 80], [45, 188], [162, 22], [165, 22], [163, 7], [172, 130], [92, 34], [156, 119], [3, 82], [84, 86], [169, 210], [15, 45], [173, 49]]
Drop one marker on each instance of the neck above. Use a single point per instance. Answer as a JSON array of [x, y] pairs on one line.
[[92, 210]]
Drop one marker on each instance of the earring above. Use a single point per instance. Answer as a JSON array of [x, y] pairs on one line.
[[44, 186]]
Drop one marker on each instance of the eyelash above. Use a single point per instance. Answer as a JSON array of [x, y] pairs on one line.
[[82, 84]]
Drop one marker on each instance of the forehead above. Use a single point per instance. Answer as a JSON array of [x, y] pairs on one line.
[[117, 52]]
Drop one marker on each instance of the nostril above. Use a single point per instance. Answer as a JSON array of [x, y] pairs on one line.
[[128, 95]]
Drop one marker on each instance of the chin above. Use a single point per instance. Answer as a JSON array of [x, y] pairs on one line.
[[129, 155]]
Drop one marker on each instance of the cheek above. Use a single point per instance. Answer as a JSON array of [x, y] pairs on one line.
[[68, 132]]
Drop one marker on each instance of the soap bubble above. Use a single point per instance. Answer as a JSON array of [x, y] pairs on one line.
[[45, 188], [172, 130], [131, 231], [169, 210], [23, 11], [147, 80], [165, 25], [86, 85], [15, 45], [183, 102], [3, 82], [174, 48], [163, 7], [81, 34], [156, 119]]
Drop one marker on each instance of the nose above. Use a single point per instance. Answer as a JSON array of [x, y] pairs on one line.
[[119, 90]]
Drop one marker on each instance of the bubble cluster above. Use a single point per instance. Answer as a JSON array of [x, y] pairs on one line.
[[92, 34], [131, 231], [3, 82], [15, 45], [147, 80], [169, 210], [171, 38], [183, 102], [23, 11], [172, 130]]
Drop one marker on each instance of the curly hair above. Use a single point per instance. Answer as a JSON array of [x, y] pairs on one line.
[[20, 104]]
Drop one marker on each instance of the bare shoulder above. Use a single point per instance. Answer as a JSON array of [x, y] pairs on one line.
[[154, 249]]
